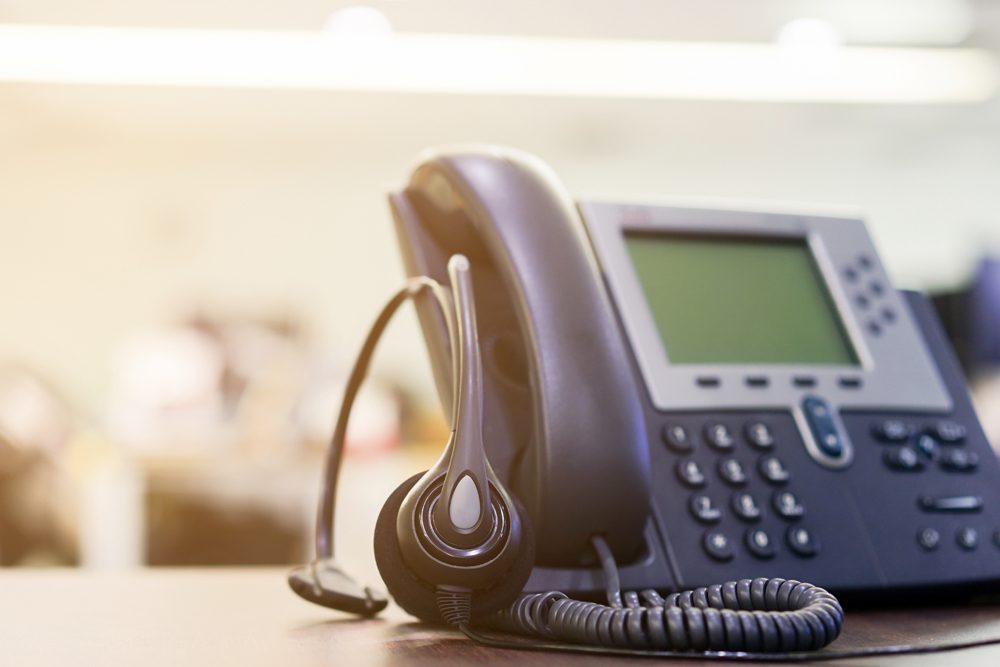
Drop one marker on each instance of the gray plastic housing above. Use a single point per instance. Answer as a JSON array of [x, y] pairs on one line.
[[563, 418]]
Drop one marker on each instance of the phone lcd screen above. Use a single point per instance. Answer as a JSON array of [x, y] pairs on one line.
[[739, 300]]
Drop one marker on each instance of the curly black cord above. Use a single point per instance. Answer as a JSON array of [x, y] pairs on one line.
[[758, 615]]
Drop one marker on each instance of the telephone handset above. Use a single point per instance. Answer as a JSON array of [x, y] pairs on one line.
[[562, 414], [658, 398]]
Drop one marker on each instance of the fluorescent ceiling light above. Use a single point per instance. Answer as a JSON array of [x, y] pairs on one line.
[[492, 65]]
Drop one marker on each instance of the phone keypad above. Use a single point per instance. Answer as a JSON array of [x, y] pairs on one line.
[[739, 488]]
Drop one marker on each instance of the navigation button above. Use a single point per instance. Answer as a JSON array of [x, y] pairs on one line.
[[826, 434], [759, 543], [703, 510], [718, 546], [689, 472], [927, 446]]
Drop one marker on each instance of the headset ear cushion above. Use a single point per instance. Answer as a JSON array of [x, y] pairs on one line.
[[417, 597]]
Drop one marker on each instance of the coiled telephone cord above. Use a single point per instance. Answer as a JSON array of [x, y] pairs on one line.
[[750, 620]]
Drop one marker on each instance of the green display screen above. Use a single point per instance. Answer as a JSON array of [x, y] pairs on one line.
[[736, 300]]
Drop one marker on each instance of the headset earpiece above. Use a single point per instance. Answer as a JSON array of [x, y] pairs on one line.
[[456, 529], [501, 580]]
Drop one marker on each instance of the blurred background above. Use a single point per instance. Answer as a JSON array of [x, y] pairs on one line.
[[195, 234]]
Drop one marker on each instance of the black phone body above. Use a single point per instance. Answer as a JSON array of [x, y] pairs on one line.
[[845, 453]]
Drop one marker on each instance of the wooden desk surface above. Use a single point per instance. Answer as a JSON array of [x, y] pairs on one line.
[[249, 617]]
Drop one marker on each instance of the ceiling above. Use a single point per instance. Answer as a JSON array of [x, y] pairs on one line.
[[914, 22]]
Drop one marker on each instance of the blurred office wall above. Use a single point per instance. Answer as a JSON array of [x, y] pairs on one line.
[[133, 209]]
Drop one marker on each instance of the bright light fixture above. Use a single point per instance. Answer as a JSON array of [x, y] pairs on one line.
[[492, 65]]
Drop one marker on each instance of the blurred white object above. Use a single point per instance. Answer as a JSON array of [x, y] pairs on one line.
[[375, 419], [358, 22], [166, 385], [31, 415], [809, 34]]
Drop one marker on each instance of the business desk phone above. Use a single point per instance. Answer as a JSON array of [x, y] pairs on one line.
[[659, 398]]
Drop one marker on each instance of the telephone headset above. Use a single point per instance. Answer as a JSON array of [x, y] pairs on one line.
[[590, 405]]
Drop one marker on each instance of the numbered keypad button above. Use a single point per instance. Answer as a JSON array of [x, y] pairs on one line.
[[773, 470], [690, 473], [759, 543], [717, 546], [677, 438], [802, 541], [745, 507], [720, 437], [759, 435], [787, 506], [732, 472], [703, 510]]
